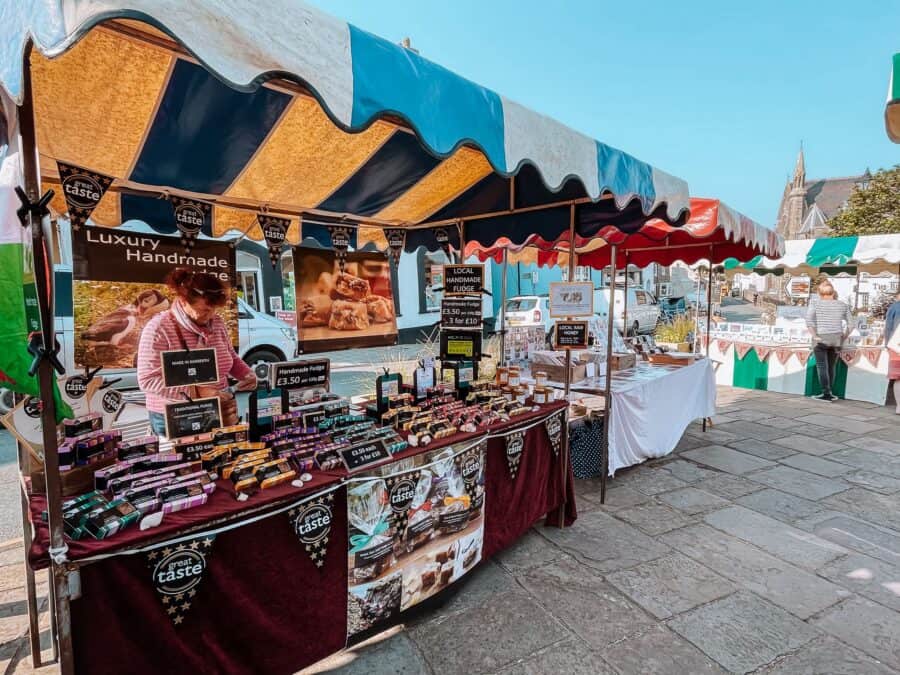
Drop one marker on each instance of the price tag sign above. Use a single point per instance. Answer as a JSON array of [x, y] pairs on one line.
[[463, 279], [183, 367], [460, 312], [571, 299], [571, 334], [457, 345], [358, 457], [301, 374], [187, 418], [312, 419]]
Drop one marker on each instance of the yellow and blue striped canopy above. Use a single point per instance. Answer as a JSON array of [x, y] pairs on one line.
[[274, 106]]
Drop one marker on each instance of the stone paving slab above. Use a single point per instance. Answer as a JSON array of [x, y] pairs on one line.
[[688, 471], [782, 506], [816, 465], [874, 481], [876, 445], [726, 459], [870, 461], [867, 626], [763, 449], [729, 487], [743, 632], [653, 518], [657, 652], [569, 656], [692, 501], [618, 498], [800, 483], [859, 536], [872, 578], [652, 481], [834, 420], [809, 444], [880, 509], [755, 430], [530, 551], [650, 585], [801, 593], [827, 655]]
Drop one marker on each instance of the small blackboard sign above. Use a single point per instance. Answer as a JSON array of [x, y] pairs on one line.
[[460, 345], [301, 374], [181, 368], [387, 385], [187, 418], [463, 279], [572, 334], [363, 455], [312, 419], [460, 312]]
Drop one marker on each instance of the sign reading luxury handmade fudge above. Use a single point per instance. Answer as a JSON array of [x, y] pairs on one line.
[[338, 309], [412, 534], [118, 286]]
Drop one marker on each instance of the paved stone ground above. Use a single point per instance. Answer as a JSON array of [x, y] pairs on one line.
[[770, 544]]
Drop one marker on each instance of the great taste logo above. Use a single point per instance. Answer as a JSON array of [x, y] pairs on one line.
[[311, 522], [177, 572], [190, 218], [82, 190]]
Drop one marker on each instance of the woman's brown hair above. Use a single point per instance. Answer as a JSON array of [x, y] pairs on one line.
[[825, 288], [191, 286]]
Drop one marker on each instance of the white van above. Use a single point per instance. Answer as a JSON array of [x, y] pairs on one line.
[[643, 309]]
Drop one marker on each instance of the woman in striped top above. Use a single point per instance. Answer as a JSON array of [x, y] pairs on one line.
[[826, 319], [190, 323]]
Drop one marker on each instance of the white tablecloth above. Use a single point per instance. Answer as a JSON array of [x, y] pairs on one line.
[[651, 411]]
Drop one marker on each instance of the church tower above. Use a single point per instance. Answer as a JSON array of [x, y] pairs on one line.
[[796, 199]]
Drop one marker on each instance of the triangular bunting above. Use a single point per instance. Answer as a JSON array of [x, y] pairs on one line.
[[311, 522], [848, 356], [515, 445], [274, 231], [83, 190], [783, 354], [872, 354], [722, 345], [396, 240], [742, 348], [177, 572], [191, 218], [554, 427], [802, 355], [762, 353], [340, 242], [442, 237], [704, 340]]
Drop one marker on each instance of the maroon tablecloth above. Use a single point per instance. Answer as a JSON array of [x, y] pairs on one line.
[[263, 606]]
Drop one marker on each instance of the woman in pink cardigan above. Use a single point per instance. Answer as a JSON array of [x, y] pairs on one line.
[[190, 323]]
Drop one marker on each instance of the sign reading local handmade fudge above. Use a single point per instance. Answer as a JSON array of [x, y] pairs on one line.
[[186, 418], [572, 334], [461, 312], [301, 374], [185, 367], [463, 279]]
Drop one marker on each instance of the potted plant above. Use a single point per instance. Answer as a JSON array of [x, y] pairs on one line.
[[676, 334]]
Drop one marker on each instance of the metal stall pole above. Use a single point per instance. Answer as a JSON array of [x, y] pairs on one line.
[[43, 275], [564, 450], [624, 300], [607, 394], [34, 633], [503, 312], [708, 309]]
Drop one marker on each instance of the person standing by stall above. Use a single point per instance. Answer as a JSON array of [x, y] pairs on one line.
[[829, 322], [192, 322], [892, 342]]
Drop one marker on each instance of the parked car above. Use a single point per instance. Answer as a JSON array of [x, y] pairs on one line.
[[529, 310], [642, 312], [672, 307]]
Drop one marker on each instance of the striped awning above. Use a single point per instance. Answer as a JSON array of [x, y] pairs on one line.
[[892, 107], [714, 231], [276, 107], [873, 254]]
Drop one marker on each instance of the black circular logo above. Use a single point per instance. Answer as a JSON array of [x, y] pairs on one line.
[[402, 494], [274, 232], [471, 467], [189, 218], [441, 236], [554, 427], [313, 523], [179, 572], [514, 446], [76, 386], [82, 190], [32, 407], [111, 401]]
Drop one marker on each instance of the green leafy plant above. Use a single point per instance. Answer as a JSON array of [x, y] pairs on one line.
[[873, 210], [675, 330]]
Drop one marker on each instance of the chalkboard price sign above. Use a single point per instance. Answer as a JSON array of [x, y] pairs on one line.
[[459, 312], [186, 367], [572, 334], [366, 454], [301, 374], [187, 418], [463, 279]]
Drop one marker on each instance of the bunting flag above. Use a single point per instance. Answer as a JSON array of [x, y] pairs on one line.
[[191, 217], [396, 240], [762, 353], [554, 427], [872, 354], [722, 345], [515, 445], [442, 237], [742, 348], [311, 522], [274, 231], [704, 340], [83, 190], [470, 465], [802, 356], [401, 490], [848, 356], [340, 242], [178, 571], [783, 354]]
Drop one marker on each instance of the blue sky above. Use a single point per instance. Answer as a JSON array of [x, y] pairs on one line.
[[719, 93]]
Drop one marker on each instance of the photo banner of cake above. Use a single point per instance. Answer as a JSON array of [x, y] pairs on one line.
[[397, 560], [339, 310], [118, 285]]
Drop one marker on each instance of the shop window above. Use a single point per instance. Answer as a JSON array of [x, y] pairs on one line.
[[248, 288], [432, 279]]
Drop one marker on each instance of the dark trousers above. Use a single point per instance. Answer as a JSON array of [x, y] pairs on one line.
[[826, 357]]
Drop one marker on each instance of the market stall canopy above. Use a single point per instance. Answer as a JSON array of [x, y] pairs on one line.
[[874, 254], [278, 107], [892, 108], [714, 231]]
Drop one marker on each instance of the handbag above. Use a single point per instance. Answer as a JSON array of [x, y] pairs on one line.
[[893, 344]]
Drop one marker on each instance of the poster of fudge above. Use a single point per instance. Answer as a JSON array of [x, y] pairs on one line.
[[439, 539], [118, 285], [338, 310]]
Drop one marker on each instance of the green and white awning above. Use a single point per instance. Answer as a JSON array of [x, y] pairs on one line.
[[874, 254], [892, 108]]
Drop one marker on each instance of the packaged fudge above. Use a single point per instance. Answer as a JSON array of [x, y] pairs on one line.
[[147, 445], [369, 515], [82, 425]]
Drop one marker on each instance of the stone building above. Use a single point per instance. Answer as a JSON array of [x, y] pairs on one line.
[[807, 205]]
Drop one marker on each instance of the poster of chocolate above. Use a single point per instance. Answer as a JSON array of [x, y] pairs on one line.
[[339, 310], [118, 284], [412, 534]]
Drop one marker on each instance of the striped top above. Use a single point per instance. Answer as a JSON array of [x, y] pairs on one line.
[[825, 317], [160, 335]]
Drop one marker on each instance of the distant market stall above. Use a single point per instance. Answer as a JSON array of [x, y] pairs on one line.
[[278, 123]]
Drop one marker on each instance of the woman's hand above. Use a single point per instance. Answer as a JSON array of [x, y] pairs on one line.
[[248, 383], [228, 406]]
